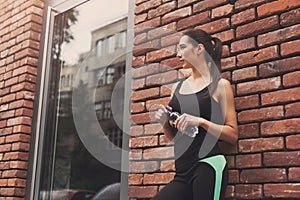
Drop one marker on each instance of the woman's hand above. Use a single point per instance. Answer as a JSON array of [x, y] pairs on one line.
[[186, 120], [161, 115]]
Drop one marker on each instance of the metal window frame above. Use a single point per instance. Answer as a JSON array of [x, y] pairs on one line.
[[51, 9]]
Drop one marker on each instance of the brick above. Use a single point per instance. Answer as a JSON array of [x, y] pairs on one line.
[[162, 31], [142, 192], [225, 51], [142, 118], [20, 146], [222, 11], [225, 36], [282, 158], [243, 17], [155, 22], [137, 107], [228, 63], [138, 61], [240, 4], [203, 5], [276, 7], [162, 9], [177, 14], [19, 120], [248, 161], [182, 3], [248, 191], [283, 190], [245, 73], [7, 114], [138, 83], [291, 79], [24, 112], [293, 142], [15, 156], [279, 67], [140, 18], [160, 54], [17, 138], [139, 142], [164, 140], [215, 26], [251, 101], [230, 191], [147, 70], [137, 2], [5, 131], [147, 5], [261, 114], [161, 78], [263, 175], [167, 165], [140, 38], [194, 20], [292, 110], [258, 85], [136, 130], [242, 45], [290, 18], [158, 178], [21, 103], [170, 64], [233, 176], [294, 174], [290, 48], [170, 39], [261, 144], [17, 182], [135, 179], [153, 129], [227, 148], [159, 153], [152, 104], [143, 48], [11, 81], [281, 96], [5, 148], [139, 167], [248, 130], [260, 26], [257, 56], [135, 154], [280, 127], [278, 36], [145, 94]]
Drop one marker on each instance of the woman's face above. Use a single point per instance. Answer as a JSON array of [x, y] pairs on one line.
[[187, 53]]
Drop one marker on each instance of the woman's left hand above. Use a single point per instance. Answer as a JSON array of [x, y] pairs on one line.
[[186, 120]]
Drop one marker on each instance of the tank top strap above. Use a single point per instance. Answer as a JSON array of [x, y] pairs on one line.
[[178, 86]]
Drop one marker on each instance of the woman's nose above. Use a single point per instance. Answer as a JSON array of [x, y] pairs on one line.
[[178, 54]]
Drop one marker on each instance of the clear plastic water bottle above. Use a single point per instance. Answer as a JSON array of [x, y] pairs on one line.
[[190, 131]]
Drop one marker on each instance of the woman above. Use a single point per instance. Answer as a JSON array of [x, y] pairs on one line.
[[204, 100]]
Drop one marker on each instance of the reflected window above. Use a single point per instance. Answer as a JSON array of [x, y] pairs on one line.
[[99, 48]]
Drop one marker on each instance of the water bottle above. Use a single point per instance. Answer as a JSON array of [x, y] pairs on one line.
[[190, 131]]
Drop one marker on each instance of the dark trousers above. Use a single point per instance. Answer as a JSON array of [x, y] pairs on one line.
[[199, 184]]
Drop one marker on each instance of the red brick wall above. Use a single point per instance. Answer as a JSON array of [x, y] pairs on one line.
[[20, 32], [261, 58]]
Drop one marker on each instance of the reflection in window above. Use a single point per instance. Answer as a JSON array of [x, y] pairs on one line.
[[66, 163], [99, 48]]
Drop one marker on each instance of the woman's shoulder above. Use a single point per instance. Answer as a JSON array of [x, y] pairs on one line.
[[223, 87]]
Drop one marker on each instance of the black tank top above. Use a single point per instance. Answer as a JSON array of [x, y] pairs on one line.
[[189, 150]]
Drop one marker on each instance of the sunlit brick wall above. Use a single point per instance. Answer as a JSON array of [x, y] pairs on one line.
[[261, 58]]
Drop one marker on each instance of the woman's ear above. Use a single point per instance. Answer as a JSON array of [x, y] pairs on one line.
[[200, 49]]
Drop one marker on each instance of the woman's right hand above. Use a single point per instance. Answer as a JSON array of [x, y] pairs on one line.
[[161, 115]]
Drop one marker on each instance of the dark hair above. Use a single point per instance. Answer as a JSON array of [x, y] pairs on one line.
[[213, 47]]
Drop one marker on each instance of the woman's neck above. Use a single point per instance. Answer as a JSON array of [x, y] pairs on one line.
[[201, 72]]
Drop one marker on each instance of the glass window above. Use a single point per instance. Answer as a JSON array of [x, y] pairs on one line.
[[72, 159], [99, 48], [111, 44]]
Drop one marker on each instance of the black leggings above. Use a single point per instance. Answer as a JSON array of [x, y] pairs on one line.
[[198, 185]]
